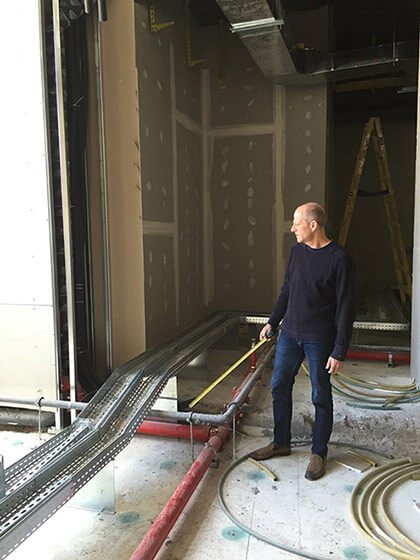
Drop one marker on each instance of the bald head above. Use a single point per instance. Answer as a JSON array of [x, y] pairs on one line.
[[313, 211]]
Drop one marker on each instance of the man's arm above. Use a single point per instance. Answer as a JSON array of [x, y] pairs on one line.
[[281, 305], [345, 313]]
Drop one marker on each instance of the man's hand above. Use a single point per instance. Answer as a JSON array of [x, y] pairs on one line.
[[265, 330], [333, 365]]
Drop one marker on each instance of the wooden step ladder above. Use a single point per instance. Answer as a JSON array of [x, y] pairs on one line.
[[373, 130]]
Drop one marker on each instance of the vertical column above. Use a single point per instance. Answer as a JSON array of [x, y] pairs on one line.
[[125, 214], [65, 197], [415, 315]]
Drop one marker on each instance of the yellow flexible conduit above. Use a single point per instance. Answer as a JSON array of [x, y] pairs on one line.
[[369, 512], [391, 393]]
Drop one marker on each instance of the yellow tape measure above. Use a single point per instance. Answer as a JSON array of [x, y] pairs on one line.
[[221, 377]]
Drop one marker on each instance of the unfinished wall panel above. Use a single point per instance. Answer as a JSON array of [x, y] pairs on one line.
[[159, 286], [248, 95], [171, 166], [188, 83], [190, 220], [306, 127], [155, 121], [242, 186]]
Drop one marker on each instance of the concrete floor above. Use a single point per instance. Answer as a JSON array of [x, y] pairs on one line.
[[310, 516]]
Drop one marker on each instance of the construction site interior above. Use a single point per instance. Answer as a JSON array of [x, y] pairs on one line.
[[154, 152]]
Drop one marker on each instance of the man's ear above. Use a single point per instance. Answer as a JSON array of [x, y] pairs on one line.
[[313, 225]]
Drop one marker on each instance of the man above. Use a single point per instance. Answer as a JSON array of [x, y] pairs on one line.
[[316, 307]]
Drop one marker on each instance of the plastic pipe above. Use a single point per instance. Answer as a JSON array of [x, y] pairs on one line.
[[170, 429], [40, 402], [158, 532]]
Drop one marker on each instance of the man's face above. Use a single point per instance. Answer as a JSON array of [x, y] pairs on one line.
[[301, 228]]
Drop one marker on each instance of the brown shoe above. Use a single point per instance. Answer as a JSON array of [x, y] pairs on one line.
[[316, 467], [269, 451]]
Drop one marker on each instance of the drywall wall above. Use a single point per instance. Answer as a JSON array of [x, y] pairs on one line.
[[306, 151], [171, 140], [242, 191], [306, 141], [246, 179], [215, 173]]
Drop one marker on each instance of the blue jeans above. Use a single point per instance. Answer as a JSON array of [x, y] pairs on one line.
[[290, 352]]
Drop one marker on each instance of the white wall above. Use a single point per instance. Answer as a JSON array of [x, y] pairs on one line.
[[27, 330]]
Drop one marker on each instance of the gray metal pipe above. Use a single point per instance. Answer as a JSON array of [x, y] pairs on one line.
[[65, 201], [40, 402], [190, 417]]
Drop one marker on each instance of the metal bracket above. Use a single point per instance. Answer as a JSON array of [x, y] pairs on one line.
[[256, 25], [215, 462], [154, 25], [191, 438], [188, 48]]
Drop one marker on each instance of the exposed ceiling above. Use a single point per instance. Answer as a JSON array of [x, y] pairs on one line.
[[335, 40]]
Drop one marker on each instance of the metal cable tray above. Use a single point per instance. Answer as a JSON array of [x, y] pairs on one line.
[[45, 479], [383, 313]]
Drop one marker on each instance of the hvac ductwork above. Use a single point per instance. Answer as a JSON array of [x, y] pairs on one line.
[[269, 39]]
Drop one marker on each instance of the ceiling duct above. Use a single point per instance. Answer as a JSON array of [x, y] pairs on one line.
[[270, 42], [255, 24]]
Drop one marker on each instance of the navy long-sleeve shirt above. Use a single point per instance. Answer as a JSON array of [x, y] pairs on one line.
[[316, 301]]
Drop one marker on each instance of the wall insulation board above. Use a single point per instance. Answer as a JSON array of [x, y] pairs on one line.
[[27, 324]]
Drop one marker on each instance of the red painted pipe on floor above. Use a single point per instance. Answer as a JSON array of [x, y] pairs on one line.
[[158, 532], [171, 429], [379, 356], [155, 537]]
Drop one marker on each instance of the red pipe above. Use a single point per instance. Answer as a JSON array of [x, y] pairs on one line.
[[170, 429], [158, 532], [380, 356]]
